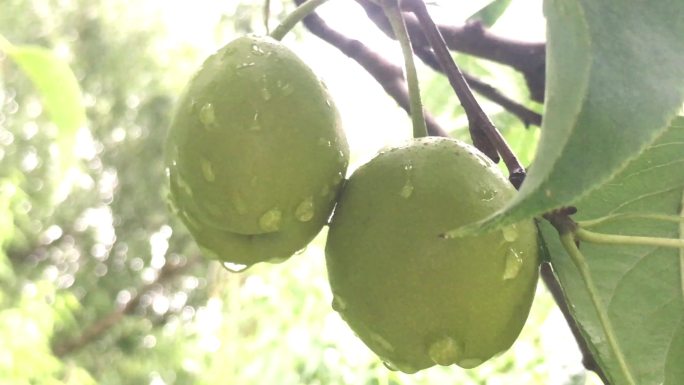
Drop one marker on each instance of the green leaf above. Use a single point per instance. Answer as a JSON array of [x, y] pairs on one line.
[[57, 85], [615, 80], [490, 13], [640, 286]]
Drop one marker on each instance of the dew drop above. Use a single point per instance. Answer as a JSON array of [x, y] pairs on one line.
[[207, 170], [270, 220], [301, 251], [445, 351], [390, 366], [287, 89], [381, 342], [265, 94], [470, 363], [488, 194], [339, 304], [407, 190], [278, 259], [328, 103], [254, 125], [510, 233], [207, 115], [239, 204], [244, 65], [305, 211], [257, 50], [513, 265], [234, 267], [183, 185]]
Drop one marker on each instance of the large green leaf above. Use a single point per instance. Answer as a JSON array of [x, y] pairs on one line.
[[615, 80], [640, 286], [57, 85]]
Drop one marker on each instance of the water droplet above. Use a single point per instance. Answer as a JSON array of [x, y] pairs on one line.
[[408, 167], [407, 190], [397, 366], [234, 267], [339, 304], [254, 126], [270, 221], [513, 265], [257, 50], [183, 185], [324, 142], [328, 103], [207, 115], [278, 259], [287, 89], [488, 194], [390, 366], [207, 170], [244, 65], [510, 233], [301, 251], [239, 204], [470, 363], [445, 351], [305, 211], [381, 342], [265, 94]]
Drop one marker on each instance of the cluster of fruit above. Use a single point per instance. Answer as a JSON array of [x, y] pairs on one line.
[[256, 163]]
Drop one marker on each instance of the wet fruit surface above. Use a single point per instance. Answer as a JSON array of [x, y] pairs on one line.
[[415, 299], [255, 153]]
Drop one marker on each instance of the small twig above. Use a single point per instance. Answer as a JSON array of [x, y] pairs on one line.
[[388, 75], [477, 118], [104, 324]]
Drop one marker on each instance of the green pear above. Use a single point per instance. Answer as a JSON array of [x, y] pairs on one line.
[[255, 154], [414, 298]]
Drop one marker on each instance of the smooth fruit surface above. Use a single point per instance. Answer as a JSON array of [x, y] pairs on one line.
[[255, 153], [415, 299]]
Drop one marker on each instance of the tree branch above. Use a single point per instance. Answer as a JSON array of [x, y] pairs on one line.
[[527, 58], [527, 116], [389, 76], [104, 324]]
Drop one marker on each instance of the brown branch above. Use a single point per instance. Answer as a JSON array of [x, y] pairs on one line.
[[527, 116], [527, 58], [389, 76], [104, 324]]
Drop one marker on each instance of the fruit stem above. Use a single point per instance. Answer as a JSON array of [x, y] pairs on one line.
[[479, 122], [295, 17], [659, 217], [267, 15], [396, 19], [614, 239], [568, 241]]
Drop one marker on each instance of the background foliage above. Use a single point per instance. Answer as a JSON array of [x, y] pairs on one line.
[[99, 284]]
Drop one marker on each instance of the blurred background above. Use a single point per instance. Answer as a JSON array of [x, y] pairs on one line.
[[99, 284]]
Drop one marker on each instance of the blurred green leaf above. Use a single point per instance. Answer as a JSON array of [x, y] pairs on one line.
[[57, 85], [490, 13]]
